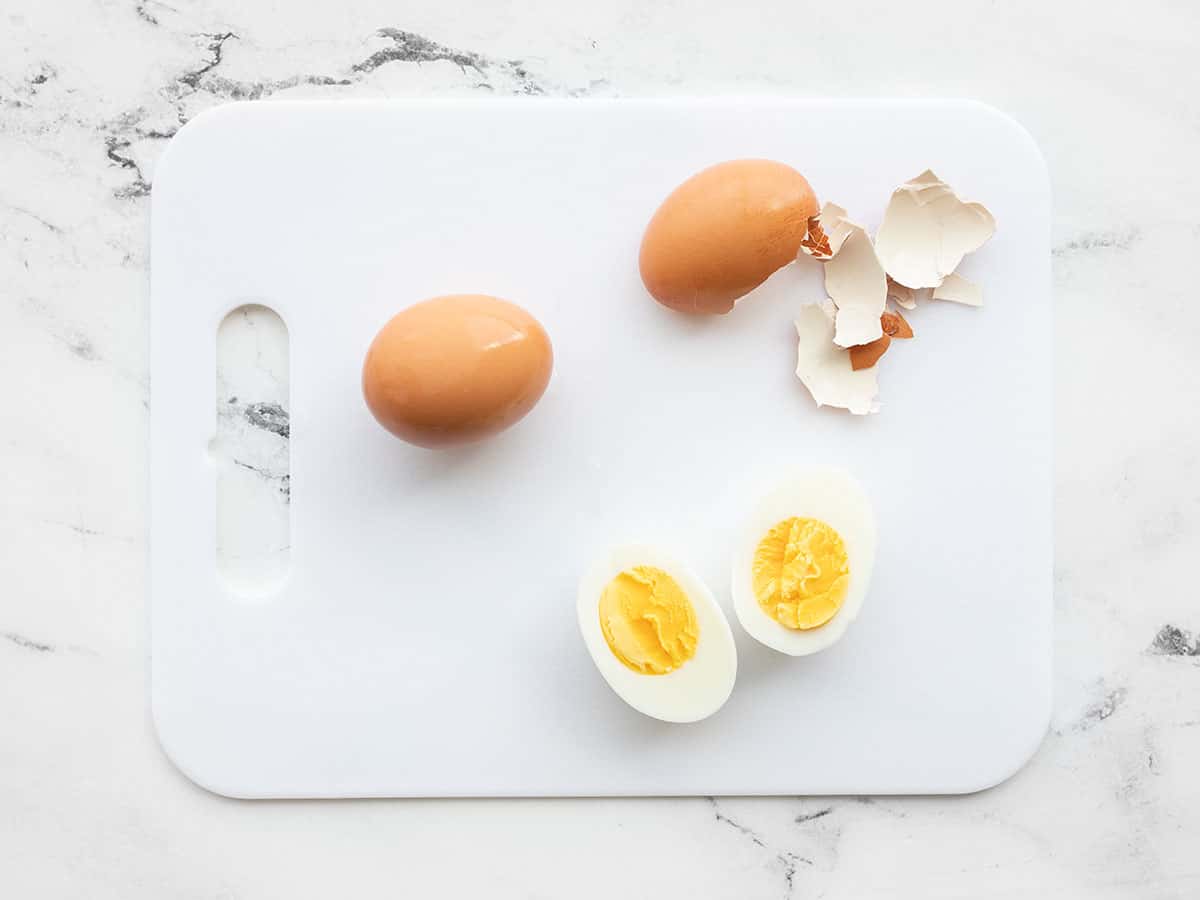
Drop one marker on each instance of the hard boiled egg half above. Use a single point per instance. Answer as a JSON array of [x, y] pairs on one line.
[[657, 635], [803, 562]]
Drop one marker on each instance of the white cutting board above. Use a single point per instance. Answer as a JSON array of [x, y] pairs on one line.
[[426, 642]]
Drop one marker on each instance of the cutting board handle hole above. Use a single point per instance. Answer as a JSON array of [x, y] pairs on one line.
[[251, 451]]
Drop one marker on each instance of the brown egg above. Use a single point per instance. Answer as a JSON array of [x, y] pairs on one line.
[[456, 369], [723, 232]]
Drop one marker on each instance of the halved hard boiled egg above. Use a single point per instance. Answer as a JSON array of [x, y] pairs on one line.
[[803, 562], [657, 635]]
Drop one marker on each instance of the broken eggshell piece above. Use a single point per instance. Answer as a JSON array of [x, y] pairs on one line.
[[959, 290], [906, 297], [827, 231], [825, 369], [927, 230], [866, 355], [954, 288], [854, 279]]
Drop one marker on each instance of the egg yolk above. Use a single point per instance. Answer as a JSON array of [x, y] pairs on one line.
[[648, 621], [801, 573]]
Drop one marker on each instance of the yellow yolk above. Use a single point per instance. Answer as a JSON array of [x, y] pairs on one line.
[[648, 621], [801, 573]]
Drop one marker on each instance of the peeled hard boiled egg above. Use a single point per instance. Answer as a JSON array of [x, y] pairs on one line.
[[657, 635], [803, 562]]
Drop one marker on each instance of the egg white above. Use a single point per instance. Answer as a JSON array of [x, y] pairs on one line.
[[836, 498], [695, 690]]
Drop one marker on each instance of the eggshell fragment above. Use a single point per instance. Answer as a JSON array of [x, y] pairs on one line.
[[825, 368], [895, 325], [854, 279], [959, 290], [867, 355], [927, 230], [906, 297], [827, 231], [856, 283]]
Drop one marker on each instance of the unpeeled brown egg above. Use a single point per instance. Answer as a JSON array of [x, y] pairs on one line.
[[456, 369], [723, 232]]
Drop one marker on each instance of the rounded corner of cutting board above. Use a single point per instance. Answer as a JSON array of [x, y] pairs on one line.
[[192, 141], [1010, 128], [1024, 747], [185, 756]]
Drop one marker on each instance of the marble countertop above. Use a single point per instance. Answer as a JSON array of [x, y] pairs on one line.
[[90, 92]]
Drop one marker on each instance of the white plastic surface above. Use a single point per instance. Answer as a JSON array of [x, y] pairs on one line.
[[426, 642]]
